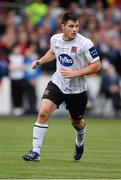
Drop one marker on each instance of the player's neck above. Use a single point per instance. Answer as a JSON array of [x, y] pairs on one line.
[[66, 38]]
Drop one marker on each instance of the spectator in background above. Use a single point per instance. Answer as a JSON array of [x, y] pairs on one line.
[[44, 34], [35, 11], [115, 55], [16, 74], [54, 8], [99, 10], [110, 87], [73, 7], [3, 64], [23, 40], [9, 38], [112, 3], [30, 78]]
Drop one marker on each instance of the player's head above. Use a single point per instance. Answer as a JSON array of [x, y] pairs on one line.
[[70, 25]]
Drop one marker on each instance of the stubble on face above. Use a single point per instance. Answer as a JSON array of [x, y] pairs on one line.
[[70, 30]]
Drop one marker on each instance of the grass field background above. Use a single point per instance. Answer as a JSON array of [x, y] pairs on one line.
[[101, 160]]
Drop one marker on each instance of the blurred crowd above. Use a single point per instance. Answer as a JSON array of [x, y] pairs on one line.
[[25, 31]]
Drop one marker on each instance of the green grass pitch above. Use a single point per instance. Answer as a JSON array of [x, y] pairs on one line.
[[101, 160]]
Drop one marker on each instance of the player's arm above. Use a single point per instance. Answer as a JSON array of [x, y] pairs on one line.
[[49, 56], [90, 69]]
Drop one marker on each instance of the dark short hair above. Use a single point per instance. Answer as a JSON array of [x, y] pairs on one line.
[[69, 16]]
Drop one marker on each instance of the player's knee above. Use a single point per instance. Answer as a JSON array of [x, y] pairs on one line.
[[43, 115], [78, 124]]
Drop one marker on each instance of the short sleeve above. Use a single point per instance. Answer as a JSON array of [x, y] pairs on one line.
[[51, 44], [90, 52]]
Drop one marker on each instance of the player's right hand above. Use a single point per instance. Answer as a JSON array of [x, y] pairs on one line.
[[35, 64]]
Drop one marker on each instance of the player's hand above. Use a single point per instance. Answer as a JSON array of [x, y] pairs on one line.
[[35, 64], [68, 73]]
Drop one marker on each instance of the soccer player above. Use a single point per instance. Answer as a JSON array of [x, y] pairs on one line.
[[76, 57]]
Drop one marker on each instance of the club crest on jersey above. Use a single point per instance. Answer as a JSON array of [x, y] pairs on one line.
[[65, 60], [73, 49]]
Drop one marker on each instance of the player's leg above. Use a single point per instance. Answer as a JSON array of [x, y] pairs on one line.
[[40, 129], [41, 125], [50, 101], [80, 128], [76, 105]]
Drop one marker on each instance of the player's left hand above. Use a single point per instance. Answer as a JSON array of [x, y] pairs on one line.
[[68, 73]]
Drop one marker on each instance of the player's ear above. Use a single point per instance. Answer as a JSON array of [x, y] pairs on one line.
[[62, 27]]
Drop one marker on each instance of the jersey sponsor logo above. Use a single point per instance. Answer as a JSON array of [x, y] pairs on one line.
[[93, 52], [65, 60]]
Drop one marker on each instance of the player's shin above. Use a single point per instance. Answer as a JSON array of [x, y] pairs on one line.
[[80, 133], [79, 142], [39, 132]]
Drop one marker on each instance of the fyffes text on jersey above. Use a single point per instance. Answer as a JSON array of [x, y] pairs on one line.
[[65, 60]]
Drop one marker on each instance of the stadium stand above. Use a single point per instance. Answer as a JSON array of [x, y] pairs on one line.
[[21, 26]]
